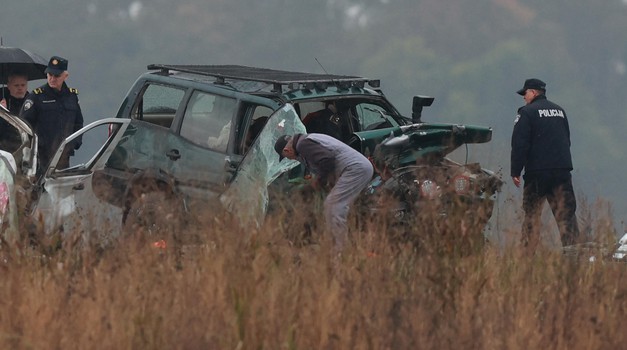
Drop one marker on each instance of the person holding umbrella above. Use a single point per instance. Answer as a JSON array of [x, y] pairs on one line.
[[54, 113], [14, 94], [17, 67]]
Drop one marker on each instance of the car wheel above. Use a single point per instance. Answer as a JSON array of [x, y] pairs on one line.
[[154, 218]]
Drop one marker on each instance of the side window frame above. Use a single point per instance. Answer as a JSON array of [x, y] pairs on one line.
[[170, 116], [249, 113], [373, 118], [206, 127]]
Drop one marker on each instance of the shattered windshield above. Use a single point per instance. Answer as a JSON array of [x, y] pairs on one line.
[[260, 167]]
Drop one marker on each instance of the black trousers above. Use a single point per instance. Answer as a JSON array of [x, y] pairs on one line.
[[556, 187]]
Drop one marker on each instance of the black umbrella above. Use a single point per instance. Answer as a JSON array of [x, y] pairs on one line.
[[27, 63]]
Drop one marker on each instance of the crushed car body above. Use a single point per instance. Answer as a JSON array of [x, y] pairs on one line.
[[186, 135]]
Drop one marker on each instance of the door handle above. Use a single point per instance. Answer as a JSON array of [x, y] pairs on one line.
[[231, 166], [173, 154], [79, 187]]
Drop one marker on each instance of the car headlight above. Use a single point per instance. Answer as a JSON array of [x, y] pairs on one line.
[[461, 184], [429, 189]]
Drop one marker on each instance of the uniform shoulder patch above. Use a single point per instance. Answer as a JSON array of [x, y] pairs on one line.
[[38, 91], [517, 118], [27, 104], [74, 91]]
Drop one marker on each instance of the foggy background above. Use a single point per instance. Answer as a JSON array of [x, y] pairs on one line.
[[471, 56]]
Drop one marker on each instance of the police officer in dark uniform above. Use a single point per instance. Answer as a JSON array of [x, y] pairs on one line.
[[54, 113], [541, 145]]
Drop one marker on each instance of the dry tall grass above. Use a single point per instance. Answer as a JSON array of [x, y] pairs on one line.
[[263, 289]]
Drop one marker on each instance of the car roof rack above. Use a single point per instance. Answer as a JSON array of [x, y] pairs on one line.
[[278, 78]]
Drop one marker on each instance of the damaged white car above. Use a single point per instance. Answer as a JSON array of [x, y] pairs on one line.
[[18, 161]]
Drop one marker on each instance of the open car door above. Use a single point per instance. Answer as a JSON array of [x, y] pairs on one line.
[[260, 167], [69, 199]]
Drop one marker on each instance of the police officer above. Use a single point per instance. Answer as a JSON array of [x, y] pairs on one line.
[[334, 165], [541, 145], [54, 112]]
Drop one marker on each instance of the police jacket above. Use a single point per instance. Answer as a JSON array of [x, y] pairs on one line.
[[541, 138], [54, 115]]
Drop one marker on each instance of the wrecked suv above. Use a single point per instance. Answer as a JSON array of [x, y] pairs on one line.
[[189, 134]]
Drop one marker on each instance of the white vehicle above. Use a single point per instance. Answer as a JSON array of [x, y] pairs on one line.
[[8, 210], [18, 160], [620, 253]]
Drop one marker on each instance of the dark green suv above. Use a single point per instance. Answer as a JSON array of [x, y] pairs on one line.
[[206, 133]]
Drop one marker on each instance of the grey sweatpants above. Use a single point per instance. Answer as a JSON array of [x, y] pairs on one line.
[[353, 179]]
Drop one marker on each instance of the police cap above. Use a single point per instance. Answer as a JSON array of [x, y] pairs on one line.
[[56, 65], [532, 83]]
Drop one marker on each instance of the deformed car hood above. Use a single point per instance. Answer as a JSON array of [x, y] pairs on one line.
[[409, 143], [261, 166]]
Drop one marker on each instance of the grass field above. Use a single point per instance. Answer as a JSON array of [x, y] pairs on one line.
[[269, 289]]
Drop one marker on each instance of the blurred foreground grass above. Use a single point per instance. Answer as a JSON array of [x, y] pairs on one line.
[[264, 289]]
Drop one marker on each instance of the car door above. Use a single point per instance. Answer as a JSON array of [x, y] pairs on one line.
[[247, 196], [69, 200], [201, 151]]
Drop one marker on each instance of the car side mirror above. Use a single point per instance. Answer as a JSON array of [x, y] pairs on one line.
[[416, 107]]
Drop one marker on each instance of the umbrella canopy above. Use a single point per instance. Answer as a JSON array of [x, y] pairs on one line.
[[26, 62]]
